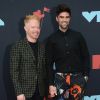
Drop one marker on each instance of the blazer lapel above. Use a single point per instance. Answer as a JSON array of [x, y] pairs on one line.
[[40, 55]]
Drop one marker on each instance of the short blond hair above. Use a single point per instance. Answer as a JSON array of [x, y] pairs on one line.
[[30, 17]]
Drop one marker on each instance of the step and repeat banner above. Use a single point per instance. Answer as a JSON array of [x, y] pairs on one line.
[[85, 18]]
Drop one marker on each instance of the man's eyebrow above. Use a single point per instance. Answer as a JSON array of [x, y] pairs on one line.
[[64, 16]]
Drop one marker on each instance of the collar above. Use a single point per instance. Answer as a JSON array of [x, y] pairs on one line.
[[64, 33]]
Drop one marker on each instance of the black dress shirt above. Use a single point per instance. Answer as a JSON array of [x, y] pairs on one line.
[[34, 47], [69, 52]]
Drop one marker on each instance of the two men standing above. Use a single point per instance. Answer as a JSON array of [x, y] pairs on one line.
[[65, 48]]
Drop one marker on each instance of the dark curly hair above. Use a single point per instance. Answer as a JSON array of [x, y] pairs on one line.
[[62, 8]]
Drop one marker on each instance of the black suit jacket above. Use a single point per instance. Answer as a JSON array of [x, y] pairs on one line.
[[25, 73]]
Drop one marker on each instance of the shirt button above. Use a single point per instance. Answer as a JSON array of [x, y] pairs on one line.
[[67, 45], [68, 52]]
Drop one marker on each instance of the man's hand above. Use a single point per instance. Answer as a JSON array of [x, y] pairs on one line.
[[52, 91], [21, 97]]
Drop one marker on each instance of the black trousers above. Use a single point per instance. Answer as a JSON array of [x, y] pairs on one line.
[[36, 95]]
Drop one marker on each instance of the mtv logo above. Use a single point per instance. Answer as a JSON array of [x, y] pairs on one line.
[[89, 16], [2, 23], [93, 97], [95, 61]]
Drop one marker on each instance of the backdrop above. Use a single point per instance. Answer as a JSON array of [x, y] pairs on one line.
[[85, 18]]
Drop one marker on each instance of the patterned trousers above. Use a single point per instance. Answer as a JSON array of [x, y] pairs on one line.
[[69, 86]]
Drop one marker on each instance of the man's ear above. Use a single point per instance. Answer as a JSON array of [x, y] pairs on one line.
[[25, 28], [56, 18]]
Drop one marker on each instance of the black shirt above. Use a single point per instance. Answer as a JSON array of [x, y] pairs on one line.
[[69, 52], [34, 47]]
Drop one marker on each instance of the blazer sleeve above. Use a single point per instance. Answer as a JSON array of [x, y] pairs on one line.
[[50, 61], [85, 56], [15, 69]]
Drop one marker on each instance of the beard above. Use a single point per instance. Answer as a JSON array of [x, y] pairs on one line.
[[64, 25]]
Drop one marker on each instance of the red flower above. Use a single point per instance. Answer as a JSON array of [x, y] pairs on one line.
[[46, 9], [38, 13]]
